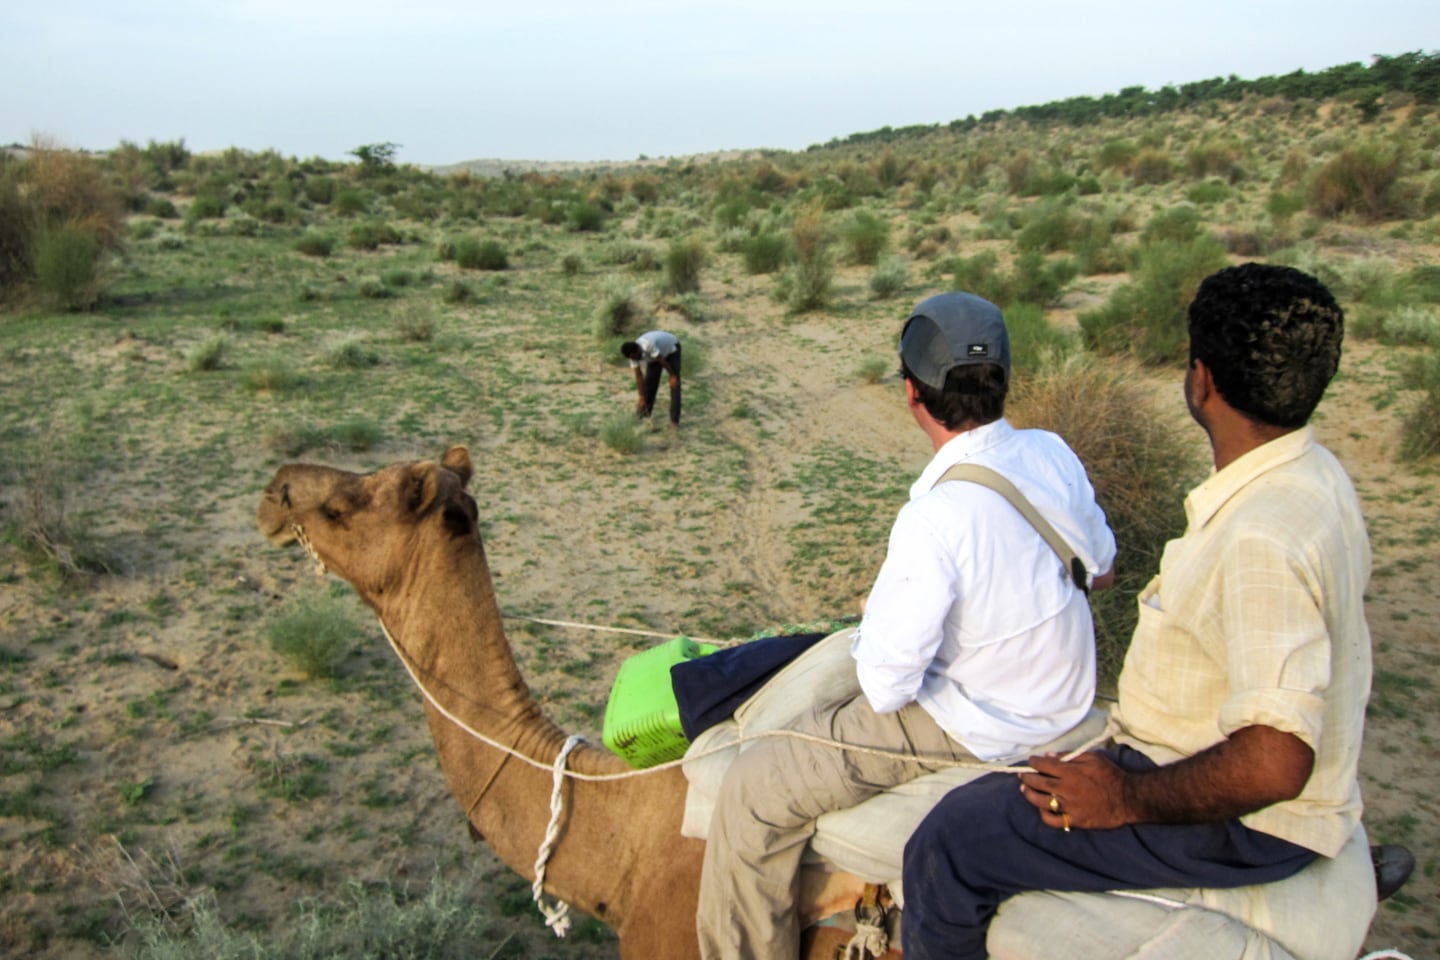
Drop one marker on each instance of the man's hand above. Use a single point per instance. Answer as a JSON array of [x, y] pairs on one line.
[[1085, 792], [1249, 770]]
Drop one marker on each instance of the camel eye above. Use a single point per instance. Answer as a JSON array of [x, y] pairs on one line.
[[329, 513], [285, 497]]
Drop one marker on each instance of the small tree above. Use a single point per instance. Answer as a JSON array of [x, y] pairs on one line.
[[375, 158]]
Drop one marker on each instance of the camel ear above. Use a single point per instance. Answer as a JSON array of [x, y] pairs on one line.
[[421, 487], [457, 460]]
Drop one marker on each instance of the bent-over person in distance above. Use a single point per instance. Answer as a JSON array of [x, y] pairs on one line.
[[657, 352]]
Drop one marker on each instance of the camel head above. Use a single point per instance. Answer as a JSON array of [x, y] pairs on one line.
[[371, 528]]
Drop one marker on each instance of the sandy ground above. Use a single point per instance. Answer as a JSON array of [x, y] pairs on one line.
[[202, 763]]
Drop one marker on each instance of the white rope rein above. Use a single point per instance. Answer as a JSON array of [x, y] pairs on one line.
[[792, 734], [557, 918]]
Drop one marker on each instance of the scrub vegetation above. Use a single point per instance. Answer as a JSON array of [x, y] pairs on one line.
[[205, 752]]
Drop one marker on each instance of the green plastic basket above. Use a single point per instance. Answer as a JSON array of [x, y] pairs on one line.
[[642, 719]]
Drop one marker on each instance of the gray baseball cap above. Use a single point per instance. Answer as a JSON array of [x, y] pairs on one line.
[[951, 330]]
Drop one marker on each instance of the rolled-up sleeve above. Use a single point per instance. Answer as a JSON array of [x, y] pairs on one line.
[[1277, 645]]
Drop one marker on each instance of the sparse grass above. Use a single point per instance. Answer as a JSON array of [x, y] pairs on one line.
[[622, 432], [314, 633], [208, 354]]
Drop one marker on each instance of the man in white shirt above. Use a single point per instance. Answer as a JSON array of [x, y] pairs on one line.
[[976, 641], [656, 351], [1242, 699]]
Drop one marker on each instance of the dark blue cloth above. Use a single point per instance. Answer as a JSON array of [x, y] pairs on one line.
[[708, 689], [984, 843]]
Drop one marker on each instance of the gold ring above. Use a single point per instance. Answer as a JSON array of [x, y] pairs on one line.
[[1065, 820], [1054, 803]]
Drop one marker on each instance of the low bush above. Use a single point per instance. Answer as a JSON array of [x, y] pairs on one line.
[[865, 237], [890, 278], [621, 433], [683, 262], [66, 266], [314, 243], [314, 633], [617, 310], [415, 321], [1360, 179], [351, 353], [209, 354], [763, 252], [472, 253], [1146, 317], [1420, 430]]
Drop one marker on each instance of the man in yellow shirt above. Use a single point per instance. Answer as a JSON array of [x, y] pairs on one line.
[[1242, 699]]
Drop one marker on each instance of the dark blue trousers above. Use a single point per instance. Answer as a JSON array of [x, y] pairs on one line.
[[653, 372], [984, 842]]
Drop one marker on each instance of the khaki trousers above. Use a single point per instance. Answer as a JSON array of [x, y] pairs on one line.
[[766, 811]]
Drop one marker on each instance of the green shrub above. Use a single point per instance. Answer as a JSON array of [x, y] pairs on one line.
[[356, 435], [415, 321], [890, 277], [617, 311], [1178, 224], [683, 262], [1035, 342], [693, 307], [209, 354], [1283, 204], [621, 433], [67, 265], [1420, 430], [585, 217], [1038, 279], [458, 291], [314, 633], [1211, 191], [398, 277], [1049, 226], [763, 253], [272, 374], [472, 253], [865, 237], [571, 264], [808, 282], [1146, 317], [349, 201], [979, 275], [313, 243], [1152, 166], [373, 288], [351, 354], [874, 369], [1359, 180], [17, 229], [320, 190], [162, 207], [371, 235]]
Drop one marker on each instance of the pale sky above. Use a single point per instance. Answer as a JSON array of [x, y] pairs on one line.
[[615, 79]]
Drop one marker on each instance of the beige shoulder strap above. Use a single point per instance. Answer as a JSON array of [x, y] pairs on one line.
[[975, 473]]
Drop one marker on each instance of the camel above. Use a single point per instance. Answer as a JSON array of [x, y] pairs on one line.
[[405, 537]]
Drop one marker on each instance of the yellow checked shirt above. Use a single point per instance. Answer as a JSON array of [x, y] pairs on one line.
[[1257, 618]]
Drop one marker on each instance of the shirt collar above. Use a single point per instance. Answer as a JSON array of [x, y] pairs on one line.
[[960, 448], [1205, 501]]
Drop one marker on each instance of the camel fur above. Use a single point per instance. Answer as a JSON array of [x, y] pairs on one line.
[[406, 538]]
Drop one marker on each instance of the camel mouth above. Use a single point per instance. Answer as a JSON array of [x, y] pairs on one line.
[[274, 520]]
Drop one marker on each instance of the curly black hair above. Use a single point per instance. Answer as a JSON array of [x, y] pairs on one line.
[[1270, 336]]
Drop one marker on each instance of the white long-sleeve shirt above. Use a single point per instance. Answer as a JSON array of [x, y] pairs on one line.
[[972, 614]]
